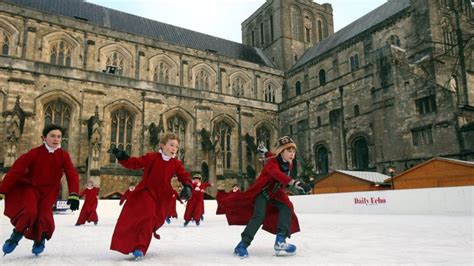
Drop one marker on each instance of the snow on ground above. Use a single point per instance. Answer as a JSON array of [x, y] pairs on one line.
[[325, 239]]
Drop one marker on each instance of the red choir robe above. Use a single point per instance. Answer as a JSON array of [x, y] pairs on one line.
[[31, 188], [147, 207], [219, 209], [238, 207], [89, 209], [172, 212], [125, 196], [195, 205]]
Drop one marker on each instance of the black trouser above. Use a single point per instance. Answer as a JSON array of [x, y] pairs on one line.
[[259, 211]]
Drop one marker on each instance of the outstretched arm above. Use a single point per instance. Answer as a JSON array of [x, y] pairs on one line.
[[133, 163], [16, 172], [274, 170], [300, 186]]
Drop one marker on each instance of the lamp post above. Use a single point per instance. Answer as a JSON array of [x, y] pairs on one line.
[[391, 170]]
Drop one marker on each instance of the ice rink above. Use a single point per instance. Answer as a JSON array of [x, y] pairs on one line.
[[325, 239]]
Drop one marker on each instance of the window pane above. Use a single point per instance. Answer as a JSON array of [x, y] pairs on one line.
[[5, 49], [122, 131], [59, 113]]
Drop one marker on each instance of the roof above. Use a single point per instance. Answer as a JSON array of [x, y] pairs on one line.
[[365, 23], [121, 21], [468, 163], [367, 176], [455, 161]]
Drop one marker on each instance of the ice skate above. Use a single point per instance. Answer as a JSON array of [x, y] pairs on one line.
[[12, 242], [38, 246], [241, 250], [137, 254], [282, 248]]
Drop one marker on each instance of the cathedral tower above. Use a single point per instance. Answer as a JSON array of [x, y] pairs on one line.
[[284, 29]]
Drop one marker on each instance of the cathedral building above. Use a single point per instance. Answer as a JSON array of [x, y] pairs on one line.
[[393, 88]]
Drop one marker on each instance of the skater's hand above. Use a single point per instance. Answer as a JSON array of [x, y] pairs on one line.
[[119, 154], [300, 186], [186, 192], [262, 149], [73, 201]]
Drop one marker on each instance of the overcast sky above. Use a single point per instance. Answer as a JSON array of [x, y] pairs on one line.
[[223, 18]]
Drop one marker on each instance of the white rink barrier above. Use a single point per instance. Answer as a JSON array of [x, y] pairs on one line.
[[427, 201]]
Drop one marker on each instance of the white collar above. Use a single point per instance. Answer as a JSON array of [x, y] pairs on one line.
[[50, 150], [164, 156]]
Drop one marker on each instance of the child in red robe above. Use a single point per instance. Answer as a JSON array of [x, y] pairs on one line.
[[265, 202], [127, 193], [32, 186], [172, 213], [89, 209], [235, 188], [195, 206], [146, 208]]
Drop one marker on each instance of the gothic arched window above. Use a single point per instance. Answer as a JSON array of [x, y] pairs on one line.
[[465, 7], [320, 30], [122, 131], [360, 154], [60, 54], [238, 87], [393, 40], [59, 113], [356, 110], [5, 42], [322, 77], [444, 3], [117, 60], [322, 161], [264, 136], [354, 62], [269, 93], [449, 37], [161, 73], [202, 80], [298, 88], [177, 125], [224, 132]]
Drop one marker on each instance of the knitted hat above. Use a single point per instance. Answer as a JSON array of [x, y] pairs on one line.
[[282, 144], [197, 176]]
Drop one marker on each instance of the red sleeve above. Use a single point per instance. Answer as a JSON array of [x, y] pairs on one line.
[[82, 193], [273, 170], [71, 174], [269, 155], [177, 196], [175, 193], [124, 196], [182, 174], [136, 163], [17, 171], [205, 185]]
